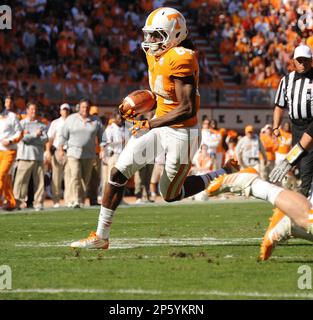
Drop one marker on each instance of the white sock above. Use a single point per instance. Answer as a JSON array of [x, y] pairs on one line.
[[208, 177], [266, 191], [104, 223], [310, 227]]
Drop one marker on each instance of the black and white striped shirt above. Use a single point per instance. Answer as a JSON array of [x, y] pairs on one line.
[[295, 92]]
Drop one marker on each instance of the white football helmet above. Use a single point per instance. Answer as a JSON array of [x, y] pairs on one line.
[[164, 28]]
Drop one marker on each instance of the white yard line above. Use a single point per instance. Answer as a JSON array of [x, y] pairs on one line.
[[128, 243], [164, 292], [132, 205]]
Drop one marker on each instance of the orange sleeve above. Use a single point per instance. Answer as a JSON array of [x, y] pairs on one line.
[[182, 63]]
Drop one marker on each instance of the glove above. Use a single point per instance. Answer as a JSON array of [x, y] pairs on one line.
[[139, 125], [292, 158], [280, 171], [129, 115]]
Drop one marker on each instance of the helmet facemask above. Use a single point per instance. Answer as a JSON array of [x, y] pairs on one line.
[[156, 48]]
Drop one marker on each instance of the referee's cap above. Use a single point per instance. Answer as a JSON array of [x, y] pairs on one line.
[[303, 51]]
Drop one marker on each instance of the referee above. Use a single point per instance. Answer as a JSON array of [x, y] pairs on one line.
[[295, 92]]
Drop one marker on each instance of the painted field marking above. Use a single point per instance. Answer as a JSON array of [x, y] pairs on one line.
[[255, 294], [129, 243]]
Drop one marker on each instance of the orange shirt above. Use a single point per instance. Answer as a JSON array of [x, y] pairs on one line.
[[309, 42], [176, 62], [270, 146], [284, 142], [146, 5], [204, 162], [62, 47], [220, 148]]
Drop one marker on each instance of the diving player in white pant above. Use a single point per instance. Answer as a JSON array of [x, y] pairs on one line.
[[293, 215], [173, 78]]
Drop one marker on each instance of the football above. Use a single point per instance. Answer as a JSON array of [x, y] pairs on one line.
[[137, 103]]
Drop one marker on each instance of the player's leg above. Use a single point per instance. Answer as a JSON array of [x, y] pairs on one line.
[[195, 184], [298, 221], [280, 228], [135, 155], [181, 146], [293, 204]]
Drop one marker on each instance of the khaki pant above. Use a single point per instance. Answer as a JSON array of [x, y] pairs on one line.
[[79, 171], [25, 170], [106, 170], [59, 173]]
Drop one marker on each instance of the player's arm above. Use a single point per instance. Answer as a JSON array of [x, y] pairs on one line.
[[185, 89], [277, 119], [293, 156]]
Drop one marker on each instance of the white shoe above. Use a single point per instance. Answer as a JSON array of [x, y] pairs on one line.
[[38, 208], [56, 205], [76, 205], [239, 182], [201, 196], [92, 242]]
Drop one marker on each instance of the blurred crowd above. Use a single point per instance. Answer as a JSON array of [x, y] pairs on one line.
[[95, 40], [255, 38], [99, 41]]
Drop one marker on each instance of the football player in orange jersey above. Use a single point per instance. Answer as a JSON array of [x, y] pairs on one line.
[[173, 78]]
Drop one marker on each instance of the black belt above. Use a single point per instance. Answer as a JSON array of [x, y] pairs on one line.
[[301, 122]]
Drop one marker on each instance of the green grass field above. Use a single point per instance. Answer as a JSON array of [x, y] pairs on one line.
[[189, 251]]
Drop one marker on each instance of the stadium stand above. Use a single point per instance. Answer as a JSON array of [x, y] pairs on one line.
[[97, 42]]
